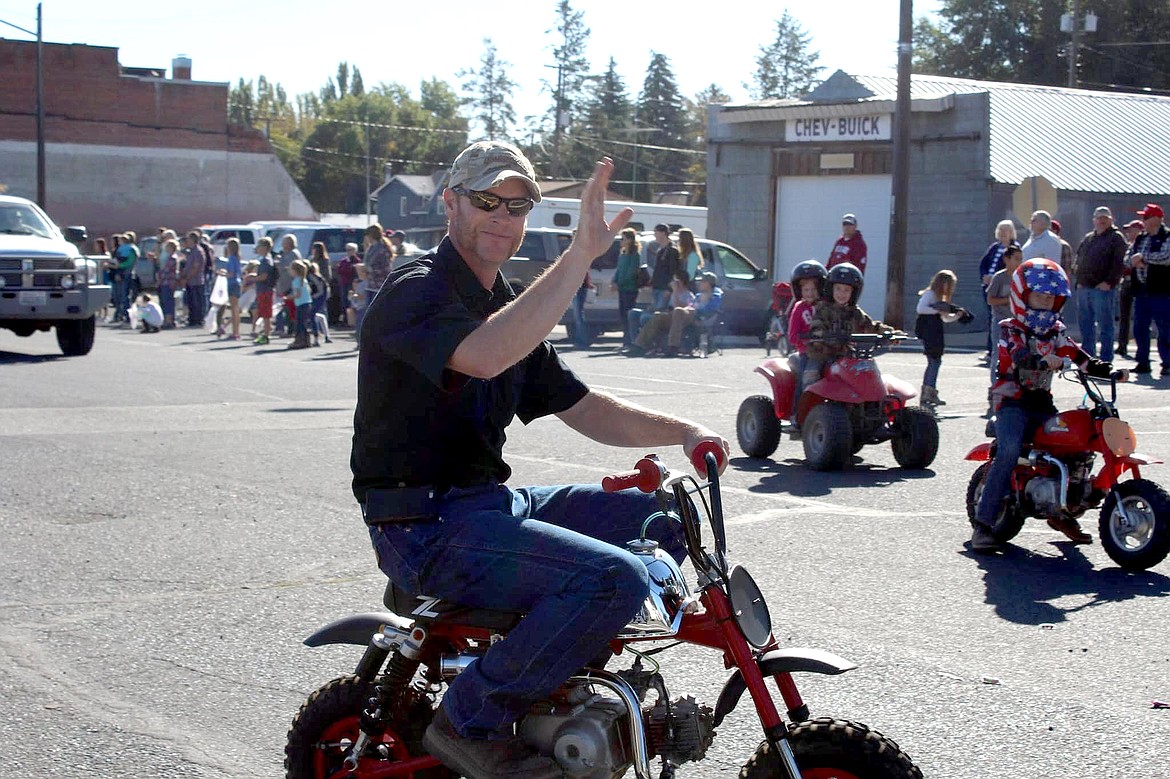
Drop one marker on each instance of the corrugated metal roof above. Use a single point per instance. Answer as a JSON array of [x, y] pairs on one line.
[[1080, 140]]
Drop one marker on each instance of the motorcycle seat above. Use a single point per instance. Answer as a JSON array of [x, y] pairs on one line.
[[427, 609]]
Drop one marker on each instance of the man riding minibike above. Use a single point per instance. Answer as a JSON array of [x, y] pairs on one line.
[[1033, 345]]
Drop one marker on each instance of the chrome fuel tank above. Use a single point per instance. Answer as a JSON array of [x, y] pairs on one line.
[[662, 610]]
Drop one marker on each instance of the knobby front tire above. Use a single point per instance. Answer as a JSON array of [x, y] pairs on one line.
[[827, 748]]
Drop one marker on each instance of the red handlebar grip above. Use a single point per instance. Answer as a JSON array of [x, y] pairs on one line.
[[621, 481], [698, 456], [646, 476]]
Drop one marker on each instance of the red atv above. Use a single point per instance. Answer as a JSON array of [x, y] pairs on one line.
[[1054, 479], [851, 406]]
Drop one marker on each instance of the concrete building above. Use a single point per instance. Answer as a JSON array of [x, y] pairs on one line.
[[781, 173], [128, 149]]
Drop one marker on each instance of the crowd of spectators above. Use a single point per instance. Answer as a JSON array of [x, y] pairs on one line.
[[178, 280]]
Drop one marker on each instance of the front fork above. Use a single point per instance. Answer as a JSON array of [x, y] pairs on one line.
[[774, 728]]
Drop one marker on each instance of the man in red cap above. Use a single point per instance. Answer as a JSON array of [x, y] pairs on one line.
[[1150, 259], [1125, 291]]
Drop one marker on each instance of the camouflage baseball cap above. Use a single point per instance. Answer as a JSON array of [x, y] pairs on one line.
[[487, 164]]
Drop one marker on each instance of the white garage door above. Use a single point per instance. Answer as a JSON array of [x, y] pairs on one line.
[[808, 221]]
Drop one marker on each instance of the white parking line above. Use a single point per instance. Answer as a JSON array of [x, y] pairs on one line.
[[792, 503]]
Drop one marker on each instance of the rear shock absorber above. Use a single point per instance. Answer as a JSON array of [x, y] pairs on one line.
[[399, 671]]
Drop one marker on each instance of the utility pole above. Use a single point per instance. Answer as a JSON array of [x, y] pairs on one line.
[[1071, 24], [40, 109], [560, 119], [368, 206], [40, 113], [899, 213]]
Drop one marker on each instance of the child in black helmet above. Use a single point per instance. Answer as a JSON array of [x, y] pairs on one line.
[[837, 317]]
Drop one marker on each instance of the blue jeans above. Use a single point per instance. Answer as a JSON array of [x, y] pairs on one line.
[[121, 295], [193, 297], [930, 377], [315, 308], [166, 301], [302, 323], [555, 553], [1013, 426], [661, 298], [636, 320], [580, 326], [626, 301], [1095, 307], [1149, 309]]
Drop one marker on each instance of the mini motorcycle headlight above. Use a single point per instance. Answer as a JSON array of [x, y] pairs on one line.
[[1119, 437]]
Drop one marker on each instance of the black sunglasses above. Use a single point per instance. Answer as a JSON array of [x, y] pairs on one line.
[[486, 201]]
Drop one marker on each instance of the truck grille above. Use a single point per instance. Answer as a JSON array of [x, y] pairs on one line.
[[46, 273]]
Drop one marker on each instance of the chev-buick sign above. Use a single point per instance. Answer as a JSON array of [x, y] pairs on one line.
[[839, 128]]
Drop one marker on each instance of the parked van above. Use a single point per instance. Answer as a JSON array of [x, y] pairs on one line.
[[334, 238], [562, 213]]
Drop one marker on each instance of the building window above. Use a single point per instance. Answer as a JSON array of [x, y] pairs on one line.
[[402, 206]]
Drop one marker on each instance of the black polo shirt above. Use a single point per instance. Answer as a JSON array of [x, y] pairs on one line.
[[419, 423]]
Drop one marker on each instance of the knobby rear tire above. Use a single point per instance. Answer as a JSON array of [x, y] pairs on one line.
[[331, 714]]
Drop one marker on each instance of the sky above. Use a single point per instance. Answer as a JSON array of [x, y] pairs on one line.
[[299, 44]]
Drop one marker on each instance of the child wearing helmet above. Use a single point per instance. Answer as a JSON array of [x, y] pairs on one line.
[[808, 280], [1033, 345], [838, 316]]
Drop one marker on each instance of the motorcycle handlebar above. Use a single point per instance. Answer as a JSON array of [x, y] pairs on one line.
[[646, 476], [699, 457], [649, 473]]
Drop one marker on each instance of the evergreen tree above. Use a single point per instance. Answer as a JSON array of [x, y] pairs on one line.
[[357, 87], [489, 93], [572, 75], [343, 78], [661, 106], [786, 67], [607, 112]]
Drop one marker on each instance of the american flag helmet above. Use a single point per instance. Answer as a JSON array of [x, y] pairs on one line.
[[1043, 276]]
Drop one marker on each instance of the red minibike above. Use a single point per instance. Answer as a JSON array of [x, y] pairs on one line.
[[1054, 479], [851, 406], [598, 725]]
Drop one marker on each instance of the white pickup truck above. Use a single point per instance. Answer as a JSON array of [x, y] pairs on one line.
[[45, 281]]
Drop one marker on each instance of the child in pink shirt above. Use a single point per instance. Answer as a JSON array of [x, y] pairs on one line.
[[807, 280]]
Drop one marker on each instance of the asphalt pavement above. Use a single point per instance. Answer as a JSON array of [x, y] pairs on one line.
[[177, 518]]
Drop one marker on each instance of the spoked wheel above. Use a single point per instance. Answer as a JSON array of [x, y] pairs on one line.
[[1009, 521], [327, 725], [1139, 538], [757, 427], [828, 748]]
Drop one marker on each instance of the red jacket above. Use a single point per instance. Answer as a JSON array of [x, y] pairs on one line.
[[851, 250]]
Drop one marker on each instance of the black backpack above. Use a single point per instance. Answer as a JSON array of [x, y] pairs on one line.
[[316, 286]]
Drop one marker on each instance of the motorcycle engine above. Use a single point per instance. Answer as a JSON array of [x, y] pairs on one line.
[[584, 733], [1042, 495], [680, 732]]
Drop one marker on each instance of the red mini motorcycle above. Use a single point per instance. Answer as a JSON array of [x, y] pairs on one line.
[[851, 406], [598, 725], [1054, 479]]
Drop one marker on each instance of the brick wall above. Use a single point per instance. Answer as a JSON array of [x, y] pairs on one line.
[[88, 100]]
